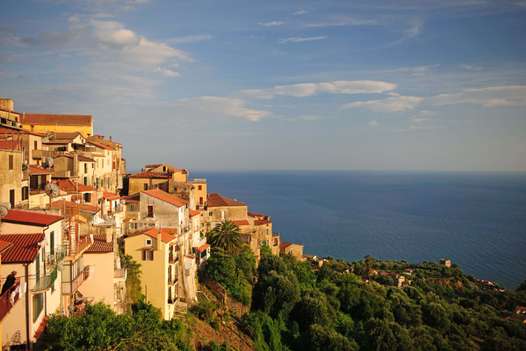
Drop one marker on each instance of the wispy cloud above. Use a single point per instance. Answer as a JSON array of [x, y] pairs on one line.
[[344, 21], [302, 39], [271, 24], [396, 103], [332, 87], [190, 39], [222, 106], [300, 12], [491, 97]]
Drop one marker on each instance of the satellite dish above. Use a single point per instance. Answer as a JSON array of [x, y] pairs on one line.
[[52, 189], [3, 210]]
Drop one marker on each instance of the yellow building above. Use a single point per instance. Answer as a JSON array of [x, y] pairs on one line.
[[39, 122], [199, 193], [160, 255], [255, 228], [11, 174], [8, 117], [147, 180]]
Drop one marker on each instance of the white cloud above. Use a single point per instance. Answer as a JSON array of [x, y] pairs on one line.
[[491, 97], [189, 39], [223, 106], [344, 21], [332, 87], [271, 24], [373, 124], [168, 72], [397, 103], [301, 39], [300, 12]]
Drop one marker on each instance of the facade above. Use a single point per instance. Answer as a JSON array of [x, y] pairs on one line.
[[11, 175], [293, 249], [168, 282], [44, 123], [147, 180]]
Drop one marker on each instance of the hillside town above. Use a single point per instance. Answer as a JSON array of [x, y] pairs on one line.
[[69, 212]]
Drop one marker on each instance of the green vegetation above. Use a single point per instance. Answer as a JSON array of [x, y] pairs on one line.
[[133, 280], [99, 328], [351, 306], [231, 264]]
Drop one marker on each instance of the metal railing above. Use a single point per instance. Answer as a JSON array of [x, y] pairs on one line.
[[69, 288]]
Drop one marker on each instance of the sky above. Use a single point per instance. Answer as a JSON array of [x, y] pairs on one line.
[[280, 85]]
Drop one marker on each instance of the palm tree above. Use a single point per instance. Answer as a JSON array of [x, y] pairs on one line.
[[225, 236]]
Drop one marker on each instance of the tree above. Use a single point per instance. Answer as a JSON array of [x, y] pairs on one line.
[[325, 339], [133, 280], [225, 236]]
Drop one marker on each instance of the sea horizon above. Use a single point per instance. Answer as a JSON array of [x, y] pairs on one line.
[[414, 216]]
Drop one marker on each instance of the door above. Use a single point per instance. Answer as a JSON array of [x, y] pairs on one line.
[[12, 198]]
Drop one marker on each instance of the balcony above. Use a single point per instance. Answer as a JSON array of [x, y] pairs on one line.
[[8, 299], [172, 281], [46, 282], [173, 258], [69, 288]]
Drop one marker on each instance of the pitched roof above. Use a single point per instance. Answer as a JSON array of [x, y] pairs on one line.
[[70, 186], [99, 145], [110, 196], [56, 119], [194, 213], [9, 145], [166, 197], [11, 131], [68, 205], [36, 170], [4, 245], [24, 247], [218, 200], [167, 234], [202, 248], [100, 245], [241, 222], [150, 175], [31, 218]]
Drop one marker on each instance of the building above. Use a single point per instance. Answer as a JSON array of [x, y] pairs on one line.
[[168, 275], [37, 271], [11, 174], [147, 180], [44, 123], [293, 249], [255, 228]]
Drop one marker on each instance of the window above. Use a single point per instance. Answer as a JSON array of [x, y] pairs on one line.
[[35, 145], [87, 197], [150, 211], [199, 187], [200, 200], [52, 243], [85, 180], [38, 305], [25, 193], [12, 198], [147, 255], [85, 168], [148, 242], [145, 186], [11, 162]]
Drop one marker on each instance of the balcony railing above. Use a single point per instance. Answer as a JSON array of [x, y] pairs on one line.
[[69, 288], [8, 299], [45, 282]]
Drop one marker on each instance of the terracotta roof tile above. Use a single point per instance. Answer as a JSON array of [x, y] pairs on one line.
[[241, 222], [167, 234], [4, 245], [110, 196], [56, 119], [83, 158], [262, 221], [24, 247], [166, 197], [36, 170], [202, 248], [31, 218], [70, 186], [218, 200], [100, 245], [150, 175], [194, 213], [99, 145], [69, 205]]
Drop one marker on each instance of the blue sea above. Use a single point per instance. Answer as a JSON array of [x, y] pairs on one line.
[[478, 220]]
